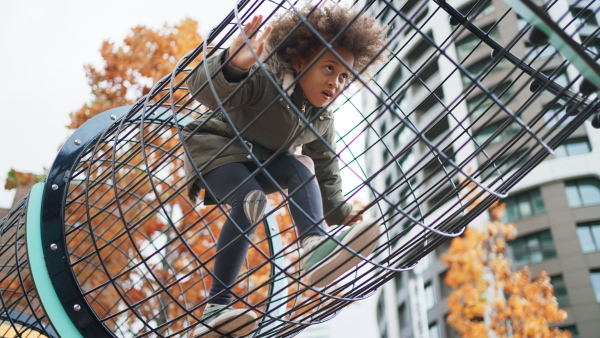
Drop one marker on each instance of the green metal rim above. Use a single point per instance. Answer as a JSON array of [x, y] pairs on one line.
[[48, 297]]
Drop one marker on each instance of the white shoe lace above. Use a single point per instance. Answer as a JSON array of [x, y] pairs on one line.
[[309, 243]]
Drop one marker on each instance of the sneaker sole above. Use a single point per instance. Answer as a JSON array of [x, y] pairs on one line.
[[232, 328], [326, 272]]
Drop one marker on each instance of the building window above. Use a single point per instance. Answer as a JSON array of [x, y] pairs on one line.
[[572, 147], [381, 322], [583, 192], [556, 115], [450, 331], [407, 194], [532, 248], [560, 77], [431, 105], [438, 129], [400, 281], [542, 52], [409, 6], [481, 103], [444, 287], [408, 222], [418, 52], [572, 329], [589, 236], [595, 276], [434, 330], [439, 161], [394, 80], [507, 131], [388, 181], [524, 205], [560, 290], [403, 318], [445, 194], [425, 77], [481, 66], [584, 16], [429, 296], [443, 247], [477, 9], [504, 164], [466, 45], [592, 45]]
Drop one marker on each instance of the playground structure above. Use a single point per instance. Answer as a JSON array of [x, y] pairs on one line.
[[110, 245]]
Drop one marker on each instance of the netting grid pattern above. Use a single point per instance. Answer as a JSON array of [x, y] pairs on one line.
[[439, 132], [21, 314]]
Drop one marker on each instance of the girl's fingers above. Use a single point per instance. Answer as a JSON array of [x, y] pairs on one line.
[[254, 24], [260, 49], [265, 35], [250, 26]]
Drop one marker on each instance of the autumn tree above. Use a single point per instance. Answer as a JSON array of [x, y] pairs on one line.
[[17, 179], [135, 210], [131, 69], [489, 298], [136, 242]]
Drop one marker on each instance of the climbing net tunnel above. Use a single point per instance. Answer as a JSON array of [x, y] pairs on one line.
[[110, 244]]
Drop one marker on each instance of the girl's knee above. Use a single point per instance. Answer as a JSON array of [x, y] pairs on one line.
[[307, 162]]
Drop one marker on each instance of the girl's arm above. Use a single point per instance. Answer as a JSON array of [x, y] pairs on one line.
[[226, 81], [227, 76], [327, 170]]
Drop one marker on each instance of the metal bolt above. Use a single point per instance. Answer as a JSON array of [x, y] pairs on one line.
[[55, 187], [76, 307], [77, 142], [321, 118], [288, 106], [113, 117], [249, 157], [53, 246]]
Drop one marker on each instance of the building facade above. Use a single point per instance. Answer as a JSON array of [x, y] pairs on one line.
[[556, 207]]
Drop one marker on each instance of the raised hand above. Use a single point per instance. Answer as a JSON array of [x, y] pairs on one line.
[[244, 59]]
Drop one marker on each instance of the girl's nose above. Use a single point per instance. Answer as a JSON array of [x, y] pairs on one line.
[[333, 82]]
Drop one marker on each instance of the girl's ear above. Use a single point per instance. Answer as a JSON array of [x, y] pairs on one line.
[[298, 64]]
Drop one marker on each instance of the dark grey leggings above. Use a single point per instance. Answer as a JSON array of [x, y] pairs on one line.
[[232, 246]]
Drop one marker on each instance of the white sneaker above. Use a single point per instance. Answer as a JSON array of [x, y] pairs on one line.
[[221, 320], [326, 260]]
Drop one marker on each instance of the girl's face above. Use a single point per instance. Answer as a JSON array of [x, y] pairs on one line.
[[326, 78]]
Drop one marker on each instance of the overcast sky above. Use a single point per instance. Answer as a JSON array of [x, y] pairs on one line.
[[43, 48]]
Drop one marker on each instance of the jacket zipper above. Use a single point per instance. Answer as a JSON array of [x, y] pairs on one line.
[[303, 109]]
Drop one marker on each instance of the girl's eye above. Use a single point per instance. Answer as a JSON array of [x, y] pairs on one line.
[[329, 68], [344, 76]]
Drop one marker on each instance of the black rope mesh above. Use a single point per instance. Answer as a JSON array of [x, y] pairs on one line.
[[21, 314], [438, 133]]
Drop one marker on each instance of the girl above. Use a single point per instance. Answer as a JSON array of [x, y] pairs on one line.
[[253, 101]]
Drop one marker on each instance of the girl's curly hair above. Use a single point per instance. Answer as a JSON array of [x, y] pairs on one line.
[[361, 36]]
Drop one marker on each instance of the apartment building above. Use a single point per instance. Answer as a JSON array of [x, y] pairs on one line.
[[556, 207]]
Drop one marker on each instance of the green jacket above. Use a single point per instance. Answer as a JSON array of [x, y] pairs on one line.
[[210, 139]]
